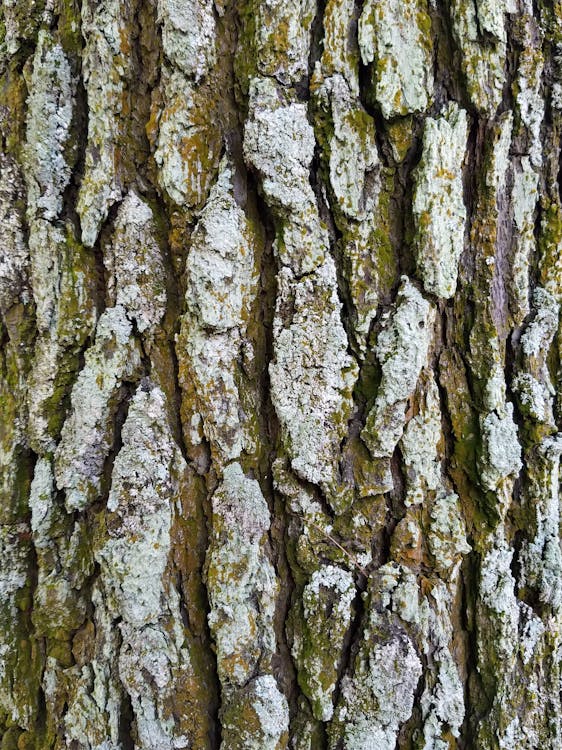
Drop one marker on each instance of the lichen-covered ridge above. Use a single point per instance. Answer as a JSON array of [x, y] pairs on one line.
[[280, 364]]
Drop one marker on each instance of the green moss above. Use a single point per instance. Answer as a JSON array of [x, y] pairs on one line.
[[69, 28], [10, 739], [16, 472], [13, 97], [387, 261], [480, 511], [24, 18], [550, 240], [401, 134], [79, 281], [61, 651], [320, 621], [255, 718], [245, 59], [31, 741]]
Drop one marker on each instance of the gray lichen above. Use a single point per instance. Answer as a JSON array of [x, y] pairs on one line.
[[379, 694], [480, 32], [64, 558], [339, 56], [279, 145], [241, 580], [187, 146], [396, 37], [438, 205], [532, 383], [380, 697], [529, 100], [188, 35], [255, 488], [183, 130], [312, 377], [135, 266], [16, 668], [154, 662], [447, 534], [401, 350], [243, 588], [221, 290], [354, 169], [72, 319], [91, 688], [64, 298], [318, 530], [140, 507], [258, 719], [107, 68], [541, 555], [442, 701], [310, 347], [524, 200], [50, 110], [87, 434], [354, 161], [283, 38], [14, 256], [540, 332], [20, 21], [501, 451], [419, 446], [47, 168], [221, 255]]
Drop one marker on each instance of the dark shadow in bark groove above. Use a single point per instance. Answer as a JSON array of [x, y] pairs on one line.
[[352, 641], [126, 719], [283, 666]]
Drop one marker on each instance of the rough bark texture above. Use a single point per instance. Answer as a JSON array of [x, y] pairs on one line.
[[279, 374]]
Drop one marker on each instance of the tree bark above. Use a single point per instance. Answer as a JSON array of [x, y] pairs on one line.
[[280, 363]]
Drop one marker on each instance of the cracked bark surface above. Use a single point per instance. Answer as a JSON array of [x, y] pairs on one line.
[[280, 365]]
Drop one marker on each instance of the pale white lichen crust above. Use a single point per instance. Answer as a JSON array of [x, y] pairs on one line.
[[242, 605], [106, 66], [438, 205], [401, 349], [395, 35], [87, 434], [221, 290]]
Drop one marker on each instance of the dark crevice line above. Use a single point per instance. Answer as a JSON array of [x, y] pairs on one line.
[[478, 703], [119, 418], [283, 666], [284, 670], [39, 640], [511, 61], [445, 75], [79, 138], [126, 723], [172, 325], [347, 313], [321, 187], [147, 31], [446, 425], [469, 664], [471, 184], [352, 643], [316, 41]]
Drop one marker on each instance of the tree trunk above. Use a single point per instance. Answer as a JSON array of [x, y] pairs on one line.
[[280, 355]]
